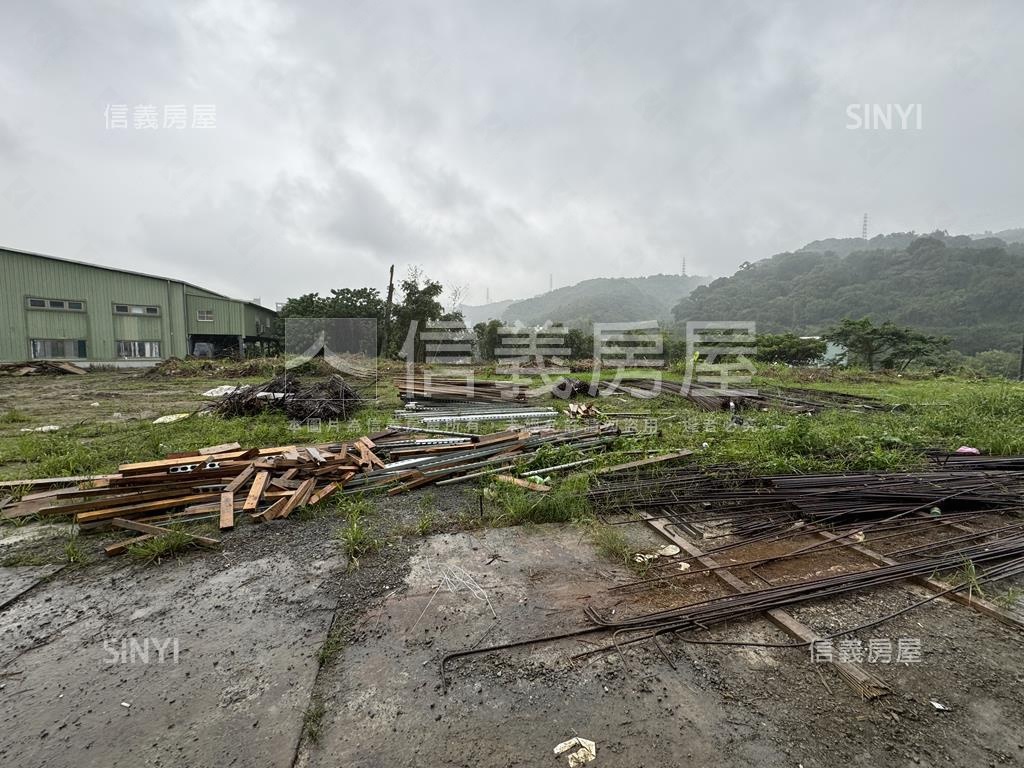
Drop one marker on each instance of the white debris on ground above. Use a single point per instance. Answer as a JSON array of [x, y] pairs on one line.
[[172, 417], [669, 550], [225, 389], [587, 751]]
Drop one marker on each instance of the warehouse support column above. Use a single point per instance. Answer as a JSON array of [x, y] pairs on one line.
[[241, 347]]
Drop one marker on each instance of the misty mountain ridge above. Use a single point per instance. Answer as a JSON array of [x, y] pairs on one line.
[[970, 288], [898, 241], [597, 300]]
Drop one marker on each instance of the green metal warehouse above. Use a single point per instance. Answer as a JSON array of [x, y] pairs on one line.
[[52, 308]]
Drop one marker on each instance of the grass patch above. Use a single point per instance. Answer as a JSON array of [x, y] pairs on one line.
[[1009, 599], [74, 552], [154, 551], [356, 540], [25, 558], [967, 576], [613, 544], [13, 416], [565, 502], [427, 520], [426, 523], [333, 645], [313, 720]]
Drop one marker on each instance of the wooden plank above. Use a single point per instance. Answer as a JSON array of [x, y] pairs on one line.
[[125, 498], [227, 511], [141, 509], [298, 499], [645, 462], [272, 511], [341, 470], [241, 480], [120, 547], [135, 525], [861, 680], [497, 437], [144, 467], [259, 485], [209, 451], [324, 493], [223, 448], [524, 483], [366, 451], [54, 480], [275, 451], [212, 508], [165, 479], [980, 604], [68, 367]]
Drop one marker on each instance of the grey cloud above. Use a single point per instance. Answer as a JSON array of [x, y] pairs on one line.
[[496, 143]]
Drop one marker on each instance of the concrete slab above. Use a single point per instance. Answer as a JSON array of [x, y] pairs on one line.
[[383, 699], [204, 662], [18, 580]]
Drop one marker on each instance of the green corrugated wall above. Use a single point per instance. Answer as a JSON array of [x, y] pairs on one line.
[[23, 275]]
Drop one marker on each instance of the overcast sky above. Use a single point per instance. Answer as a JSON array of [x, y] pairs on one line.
[[494, 142]]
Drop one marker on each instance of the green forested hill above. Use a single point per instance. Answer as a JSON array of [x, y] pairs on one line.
[[605, 299], [969, 289]]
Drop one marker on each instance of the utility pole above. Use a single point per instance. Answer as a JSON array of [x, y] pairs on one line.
[[387, 312]]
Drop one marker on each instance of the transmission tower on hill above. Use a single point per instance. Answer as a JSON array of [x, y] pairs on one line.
[[864, 228]]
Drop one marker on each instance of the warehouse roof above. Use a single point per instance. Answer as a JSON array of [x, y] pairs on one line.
[[131, 272]]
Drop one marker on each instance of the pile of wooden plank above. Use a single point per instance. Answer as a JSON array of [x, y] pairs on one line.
[[227, 481], [582, 411], [40, 368], [708, 398], [468, 389]]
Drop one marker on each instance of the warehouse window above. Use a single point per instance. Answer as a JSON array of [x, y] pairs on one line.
[[65, 305], [57, 348], [135, 309], [138, 349], [204, 315]]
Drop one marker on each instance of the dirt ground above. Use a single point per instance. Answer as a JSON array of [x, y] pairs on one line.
[[277, 651]]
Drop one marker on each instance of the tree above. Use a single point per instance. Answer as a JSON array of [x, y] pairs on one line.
[[488, 338], [342, 303], [356, 302], [789, 348], [580, 344], [995, 362], [420, 305], [885, 345]]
